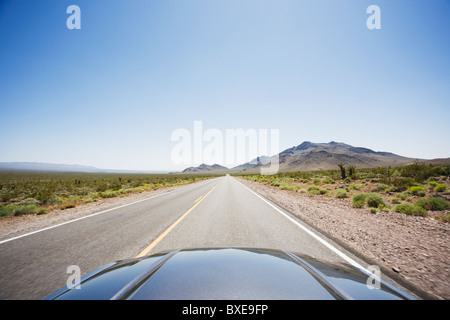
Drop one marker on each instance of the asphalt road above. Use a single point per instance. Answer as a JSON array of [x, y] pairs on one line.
[[219, 212]]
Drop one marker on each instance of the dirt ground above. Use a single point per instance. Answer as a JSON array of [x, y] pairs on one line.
[[413, 248]]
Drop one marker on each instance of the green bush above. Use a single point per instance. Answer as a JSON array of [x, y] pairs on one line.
[[43, 211], [371, 199], [375, 201], [286, 186], [313, 190], [410, 209], [418, 191], [25, 209], [433, 204], [401, 184], [67, 205], [29, 201], [6, 211], [380, 188], [403, 196], [275, 183], [441, 187], [109, 194], [341, 193], [444, 218], [359, 200], [433, 183]]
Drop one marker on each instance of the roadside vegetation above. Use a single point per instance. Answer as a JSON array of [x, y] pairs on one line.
[[40, 193], [416, 189]]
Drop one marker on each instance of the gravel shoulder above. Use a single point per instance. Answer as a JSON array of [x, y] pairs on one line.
[[410, 248]]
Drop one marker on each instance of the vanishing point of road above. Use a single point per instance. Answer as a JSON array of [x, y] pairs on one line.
[[219, 212]]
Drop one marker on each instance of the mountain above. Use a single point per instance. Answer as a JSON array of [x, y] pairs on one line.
[[309, 156], [204, 168]]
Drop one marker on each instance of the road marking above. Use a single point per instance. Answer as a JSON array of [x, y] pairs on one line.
[[166, 232], [315, 236], [198, 199], [89, 216]]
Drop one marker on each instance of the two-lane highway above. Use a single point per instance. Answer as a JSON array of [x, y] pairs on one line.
[[219, 212]]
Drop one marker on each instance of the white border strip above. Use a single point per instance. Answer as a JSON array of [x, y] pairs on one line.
[[315, 236], [92, 215]]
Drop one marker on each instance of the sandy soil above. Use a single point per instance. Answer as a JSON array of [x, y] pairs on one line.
[[415, 249]]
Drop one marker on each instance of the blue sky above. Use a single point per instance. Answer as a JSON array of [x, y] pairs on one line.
[[111, 94]]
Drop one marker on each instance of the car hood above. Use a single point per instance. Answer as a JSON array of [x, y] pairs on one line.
[[227, 274]]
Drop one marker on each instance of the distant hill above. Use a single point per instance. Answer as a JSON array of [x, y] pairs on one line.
[[51, 167], [309, 156], [38, 166], [204, 168]]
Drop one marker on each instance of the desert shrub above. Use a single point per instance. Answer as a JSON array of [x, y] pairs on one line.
[[109, 194], [394, 189], [371, 199], [275, 183], [380, 188], [375, 201], [410, 209], [433, 204], [101, 187], [441, 187], [29, 201], [359, 200], [403, 196], [329, 181], [6, 211], [356, 186], [347, 180], [286, 186], [444, 218], [313, 190], [433, 183], [25, 209], [402, 184], [67, 205], [43, 211], [418, 191], [341, 193]]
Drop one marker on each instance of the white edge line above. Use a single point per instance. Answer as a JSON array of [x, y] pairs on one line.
[[91, 215], [315, 236]]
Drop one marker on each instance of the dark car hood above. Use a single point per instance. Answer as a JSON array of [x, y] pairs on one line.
[[227, 274]]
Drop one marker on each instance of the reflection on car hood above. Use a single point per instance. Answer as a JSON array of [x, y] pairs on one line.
[[227, 274]]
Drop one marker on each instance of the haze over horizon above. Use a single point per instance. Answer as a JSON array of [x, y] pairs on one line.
[[111, 94]]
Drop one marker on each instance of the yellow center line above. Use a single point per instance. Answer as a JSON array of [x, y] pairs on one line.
[[166, 232], [198, 199]]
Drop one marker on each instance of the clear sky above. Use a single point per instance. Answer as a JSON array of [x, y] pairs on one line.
[[111, 94]]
